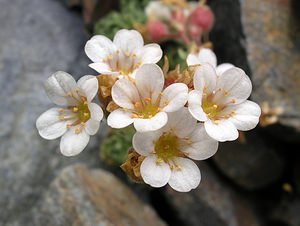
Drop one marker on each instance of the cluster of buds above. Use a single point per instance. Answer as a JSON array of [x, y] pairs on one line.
[[188, 22], [178, 115]]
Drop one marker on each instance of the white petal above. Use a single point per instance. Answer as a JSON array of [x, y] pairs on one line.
[[174, 97], [102, 68], [58, 86], [125, 94], [195, 105], [149, 81], [99, 47], [205, 78], [50, 126], [151, 124], [96, 111], [92, 126], [236, 83], [128, 40], [223, 67], [150, 53], [223, 131], [181, 122], [119, 119], [207, 56], [246, 115], [144, 143], [153, 173], [88, 84], [201, 147], [193, 59], [72, 144], [186, 177]]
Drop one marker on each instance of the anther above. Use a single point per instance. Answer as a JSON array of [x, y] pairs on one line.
[[110, 57], [69, 94], [233, 101], [127, 53], [61, 110], [215, 106], [68, 126], [77, 130], [75, 109], [86, 114], [61, 118]]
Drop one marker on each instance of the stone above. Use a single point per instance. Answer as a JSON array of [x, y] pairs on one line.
[[37, 38], [227, 34], [296, 175], [273, 46], [212, 203], [84, 197], [252, 164], [287, 213]]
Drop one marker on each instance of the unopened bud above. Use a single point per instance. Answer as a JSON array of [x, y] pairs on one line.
[[157, 30], [202, 17]]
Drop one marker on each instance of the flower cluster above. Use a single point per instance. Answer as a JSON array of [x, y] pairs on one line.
[[177, 120], [178, 19]]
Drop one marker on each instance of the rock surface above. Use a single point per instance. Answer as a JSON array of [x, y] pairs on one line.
[[274, 54], [212, 203], [287, 213], [83, 197], [37, 38], [251, 165]]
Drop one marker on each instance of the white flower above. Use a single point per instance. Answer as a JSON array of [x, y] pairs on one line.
[[167, 151], [144, 102], [77, 118], [221, 102], [124, 55], [206, 55]]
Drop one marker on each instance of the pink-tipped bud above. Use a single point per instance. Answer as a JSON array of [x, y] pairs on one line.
[[157, 30], [202, 17]]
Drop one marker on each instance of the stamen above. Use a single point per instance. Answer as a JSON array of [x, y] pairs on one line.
[[77, 130], [127, 53], [75, 109]]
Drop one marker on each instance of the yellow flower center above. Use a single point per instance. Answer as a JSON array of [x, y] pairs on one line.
[[167, 147], [145, 109], [213, 110], [81, 113]]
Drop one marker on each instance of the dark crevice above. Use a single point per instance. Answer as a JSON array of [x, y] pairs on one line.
[[163, 208]]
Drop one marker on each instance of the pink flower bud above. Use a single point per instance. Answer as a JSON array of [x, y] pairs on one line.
[[202, 17], [156, 30]]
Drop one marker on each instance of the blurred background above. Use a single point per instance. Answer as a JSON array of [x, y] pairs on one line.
[[254, 181]]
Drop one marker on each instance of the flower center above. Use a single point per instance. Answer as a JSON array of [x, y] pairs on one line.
[[210, 108], [145, 109], [123, 62], [167, 147], [78, 115], [82, 111], [214, 105]]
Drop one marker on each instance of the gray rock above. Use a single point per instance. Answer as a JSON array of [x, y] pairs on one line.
[[37, 38], [212, 203], [83, 197], [252, 164], [274, 54]]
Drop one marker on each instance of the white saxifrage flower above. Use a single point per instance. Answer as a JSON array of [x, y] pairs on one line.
[[144, 102], [168, 150], [123, 55], [221, 102], [206, 55], [77, 118]]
